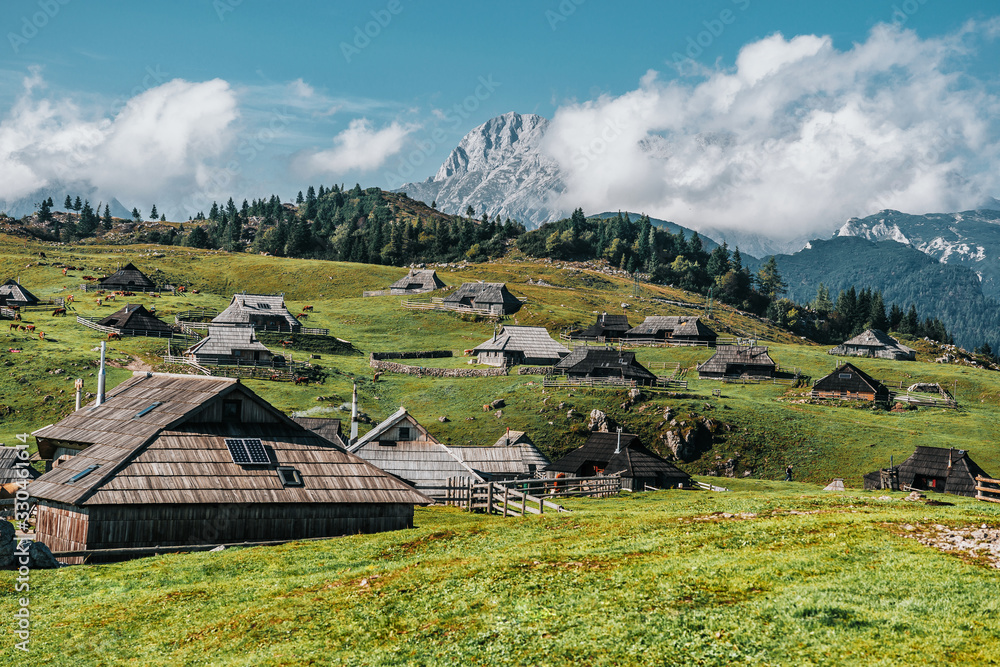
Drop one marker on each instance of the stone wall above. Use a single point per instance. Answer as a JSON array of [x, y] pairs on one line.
[[432, 354]]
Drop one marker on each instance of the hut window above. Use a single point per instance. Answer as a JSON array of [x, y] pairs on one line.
[[146, 411], [264, 306], [845, 376], [247, 451], [231, 410], [404, 433], [289, 476], [83, 473]]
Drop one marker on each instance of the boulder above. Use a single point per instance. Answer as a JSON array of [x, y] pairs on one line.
[[599, 421], [41, 557], [498, 403], [7, 544]]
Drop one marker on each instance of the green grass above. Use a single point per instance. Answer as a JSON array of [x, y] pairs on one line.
[[657, 578]]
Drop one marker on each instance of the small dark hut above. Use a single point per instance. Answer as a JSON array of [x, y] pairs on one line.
[[261, 311], [324, 427], [230, 346], [875, 344], [171, 460], [848, 382], [941, 470], [607, 328], [417, 281], [493, 297], [13, 471], [403, 448], [128, 279], [737, 360], [604, 363], [621, 454], [514, 456], [135, 320], [13, 294], [672, 329], [520, 345]]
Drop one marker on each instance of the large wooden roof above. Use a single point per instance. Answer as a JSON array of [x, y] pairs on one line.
[[632, 460], [174, 454], [127, 278], [135, 317], [534, 342], [588, 360], [737, 355], [11, 291], [226, 341], [419, 279], [484, 295], [9, 472], [677, 326], [934, 462], [849, 378], [244, 306]]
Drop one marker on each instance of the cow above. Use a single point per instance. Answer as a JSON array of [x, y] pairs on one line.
[[30, 327], [41, 335], [305, 308], [17, 317], [286, 343], [64, 271], [88, 277], [302, 316], [300, 379], [376, 376], [13, 327], [196, 291], [59, 312], [114, 336]]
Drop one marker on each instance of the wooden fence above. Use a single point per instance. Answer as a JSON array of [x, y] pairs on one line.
[[283, 373], [987, 489], [525, 496], [91, 323]]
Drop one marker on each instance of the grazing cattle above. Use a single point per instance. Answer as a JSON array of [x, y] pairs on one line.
[[155, 296], [467, 353], [304, 308], [196, 291], [13, 327], [17, 317], [301, 379], [114, 336], [88, 277], [302, 316], [69, 299], [486, 407], [182, 289], [30, 327], [286, 343], [58, 311], [99, 302], [64, 271], [41, 335], [376, 376]]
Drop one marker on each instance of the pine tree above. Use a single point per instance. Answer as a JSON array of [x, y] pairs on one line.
[[136, 215], [877, 318], [768, 277], [68, 204], [153, 215], [163, 218], [107, 223], [299, 198], [77, 204], [822, 305]]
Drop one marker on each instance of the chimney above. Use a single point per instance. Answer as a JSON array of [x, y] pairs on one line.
[[950, 450], [618, 447], [100, 377], [79, 389], [354, 415]]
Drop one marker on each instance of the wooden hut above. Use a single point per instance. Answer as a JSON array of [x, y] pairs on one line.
[[620, 454], [875, 344], [13, 294], [417, 281], [737, 360], [848, 382], [261, 311], [939, 469], [323, 427], [128, 279], [492, 297], [14, 471], [230, 346], [403, 448], [672, 329], [520, 345], [514, 456], [135, 320], [173, 460], [604, 363], [607, 328]]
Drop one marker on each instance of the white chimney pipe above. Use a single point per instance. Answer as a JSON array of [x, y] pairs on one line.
[[100, 376], [354, 415], [79, 391]]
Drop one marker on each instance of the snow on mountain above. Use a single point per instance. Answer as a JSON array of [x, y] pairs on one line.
[[497, 168]]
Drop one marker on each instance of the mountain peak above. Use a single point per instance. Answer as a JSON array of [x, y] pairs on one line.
[[493, 144]]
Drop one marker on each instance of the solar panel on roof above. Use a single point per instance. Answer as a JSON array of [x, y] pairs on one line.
[[247, 451]]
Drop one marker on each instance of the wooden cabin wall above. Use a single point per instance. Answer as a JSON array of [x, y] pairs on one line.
[[62, 527], [119, 526], [251, 412]]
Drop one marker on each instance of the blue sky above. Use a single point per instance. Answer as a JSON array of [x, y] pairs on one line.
[[258, 96]]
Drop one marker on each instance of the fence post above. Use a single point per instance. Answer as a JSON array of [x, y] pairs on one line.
[[469, 497], [506, 494], [489, 497]]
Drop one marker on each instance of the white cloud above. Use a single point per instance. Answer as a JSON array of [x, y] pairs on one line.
[[150, 150], [792, 140], [360, 147]]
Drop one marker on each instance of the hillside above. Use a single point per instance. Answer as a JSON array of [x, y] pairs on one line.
[[950, 292]]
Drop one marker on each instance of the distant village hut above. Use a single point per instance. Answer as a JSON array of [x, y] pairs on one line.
[[492, 297], [323, 427], [417, 281], [738, 360], [876, 345], [13, 472], [403, 448], [178, 460], [514, 345], [848, 382], [624, 455], [514, 456], [13, 294], [672, 329], [604, 363], [938, 469], [128, 279], [230, 346], [135, 320], [606, 328], [262, 311]]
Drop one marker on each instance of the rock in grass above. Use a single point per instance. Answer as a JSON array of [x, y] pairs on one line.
[[41, 557]]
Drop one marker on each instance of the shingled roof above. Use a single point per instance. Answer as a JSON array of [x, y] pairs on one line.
[[129, 279], [737, 359], [875, 343], [848, 378], [223, 341], [323, 427], [157, 439], [604, 362], [418, 280], [521, 439], [606, 326], [513, 455], [485, 295], [135, 317], [671, 326], [954, 465], [253, 308], [9, 471], [632, 460], [533, 343], [14, 294]]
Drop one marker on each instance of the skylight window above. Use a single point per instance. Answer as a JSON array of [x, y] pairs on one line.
[[247, 451], [146, 411], [83, 473], [263, 306], [289, 476]]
